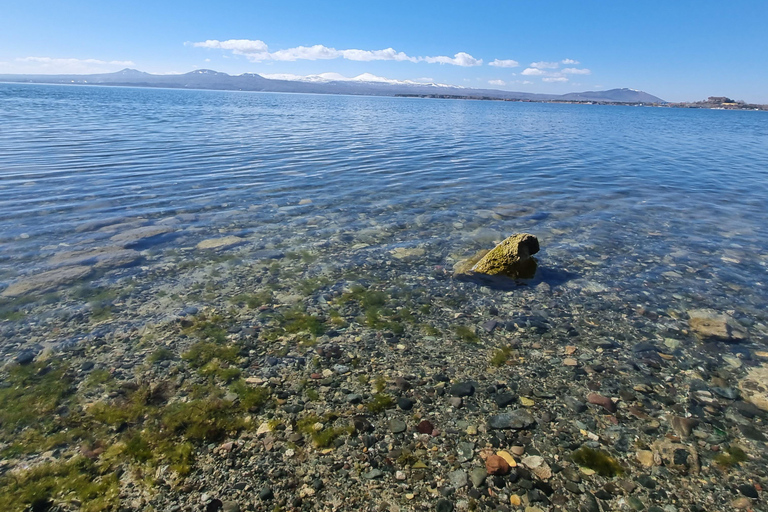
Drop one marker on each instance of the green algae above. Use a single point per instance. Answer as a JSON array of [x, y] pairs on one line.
[[466, 334], [501, 356], [598, 461], [379, 403], [731, 456], [79, 481]]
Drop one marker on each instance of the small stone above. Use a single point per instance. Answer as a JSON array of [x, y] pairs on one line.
[[458, 478], [749, 491], [515, 420], [462, 389], [471, 430], [507, 457], [515, 501], [517, 450], [455, 402], [444, 505], [683, 426], [373, 474], [402, 384], [465, 451], [526, 402], [265, 493], [406, 404], [605, 402], [645, 457], [570, 361], [425, 427], [741, 503], [477, 476], [397, 425], [399, 475], [635, 503], [230, 506], [496, 465], [504, 399]]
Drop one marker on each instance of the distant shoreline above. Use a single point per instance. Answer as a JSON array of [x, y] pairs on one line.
[[692, 105]]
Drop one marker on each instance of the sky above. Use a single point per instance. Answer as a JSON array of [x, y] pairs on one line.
[[679, 50]]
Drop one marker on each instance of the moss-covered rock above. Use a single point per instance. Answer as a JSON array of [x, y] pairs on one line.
[[512, 257]]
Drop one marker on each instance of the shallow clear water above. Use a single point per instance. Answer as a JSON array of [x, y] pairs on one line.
[[666, 204]]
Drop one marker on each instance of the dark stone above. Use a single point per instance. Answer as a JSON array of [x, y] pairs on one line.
[[516, 420], [293, 408], [361, 424], [214, 505], [572, 487], [441, 377], [87, 366], [461, 389], [405, 404], [747, 409], [402, 384], [489, 325], [504, 399], [602, 494], [752, 433], [444, 505], [648, 482], [25, 357], [749, 491]]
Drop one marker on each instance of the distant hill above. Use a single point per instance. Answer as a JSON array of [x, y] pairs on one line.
[[363, 85]]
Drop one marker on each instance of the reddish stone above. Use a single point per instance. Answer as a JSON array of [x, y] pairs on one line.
[[496, 465], [425, 427], [603, 401]]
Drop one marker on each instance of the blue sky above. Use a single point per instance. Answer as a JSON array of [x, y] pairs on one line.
[[675, 49]]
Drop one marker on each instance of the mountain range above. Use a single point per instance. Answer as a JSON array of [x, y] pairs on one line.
[[327, 83]]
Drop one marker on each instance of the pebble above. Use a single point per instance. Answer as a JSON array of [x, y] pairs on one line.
[[465, 451], [605, 402], [504, 399], [462, 389], [405, 404], [373, 474], [444, 505], [458, 478], [516, 420], [477, 476], [496, 465], [397, 425]]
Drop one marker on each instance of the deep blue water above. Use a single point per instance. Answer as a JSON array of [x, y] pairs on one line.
[[633, 192]]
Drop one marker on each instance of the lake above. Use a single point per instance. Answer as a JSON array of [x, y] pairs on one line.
[[134, 220]]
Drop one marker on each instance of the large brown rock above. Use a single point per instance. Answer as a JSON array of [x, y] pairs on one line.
[[511, 258]]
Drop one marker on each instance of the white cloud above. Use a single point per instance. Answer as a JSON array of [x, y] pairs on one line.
[[52, 65], [460, 59], [554, 79], [545, 65], [569, 61], [527, 82], [507, 63], [577, 71], [258, 51], [497, 82], [337, 77], [532, 72]]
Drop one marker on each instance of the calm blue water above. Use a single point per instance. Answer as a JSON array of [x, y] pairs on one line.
[[618, 195]]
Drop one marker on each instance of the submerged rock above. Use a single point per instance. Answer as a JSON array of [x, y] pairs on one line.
[[220, 243], [100, 257], [709, 325], [754, 387], [511, 258], [46, 281]]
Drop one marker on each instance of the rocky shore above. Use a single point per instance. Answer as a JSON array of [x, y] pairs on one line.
[[233, 375]]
